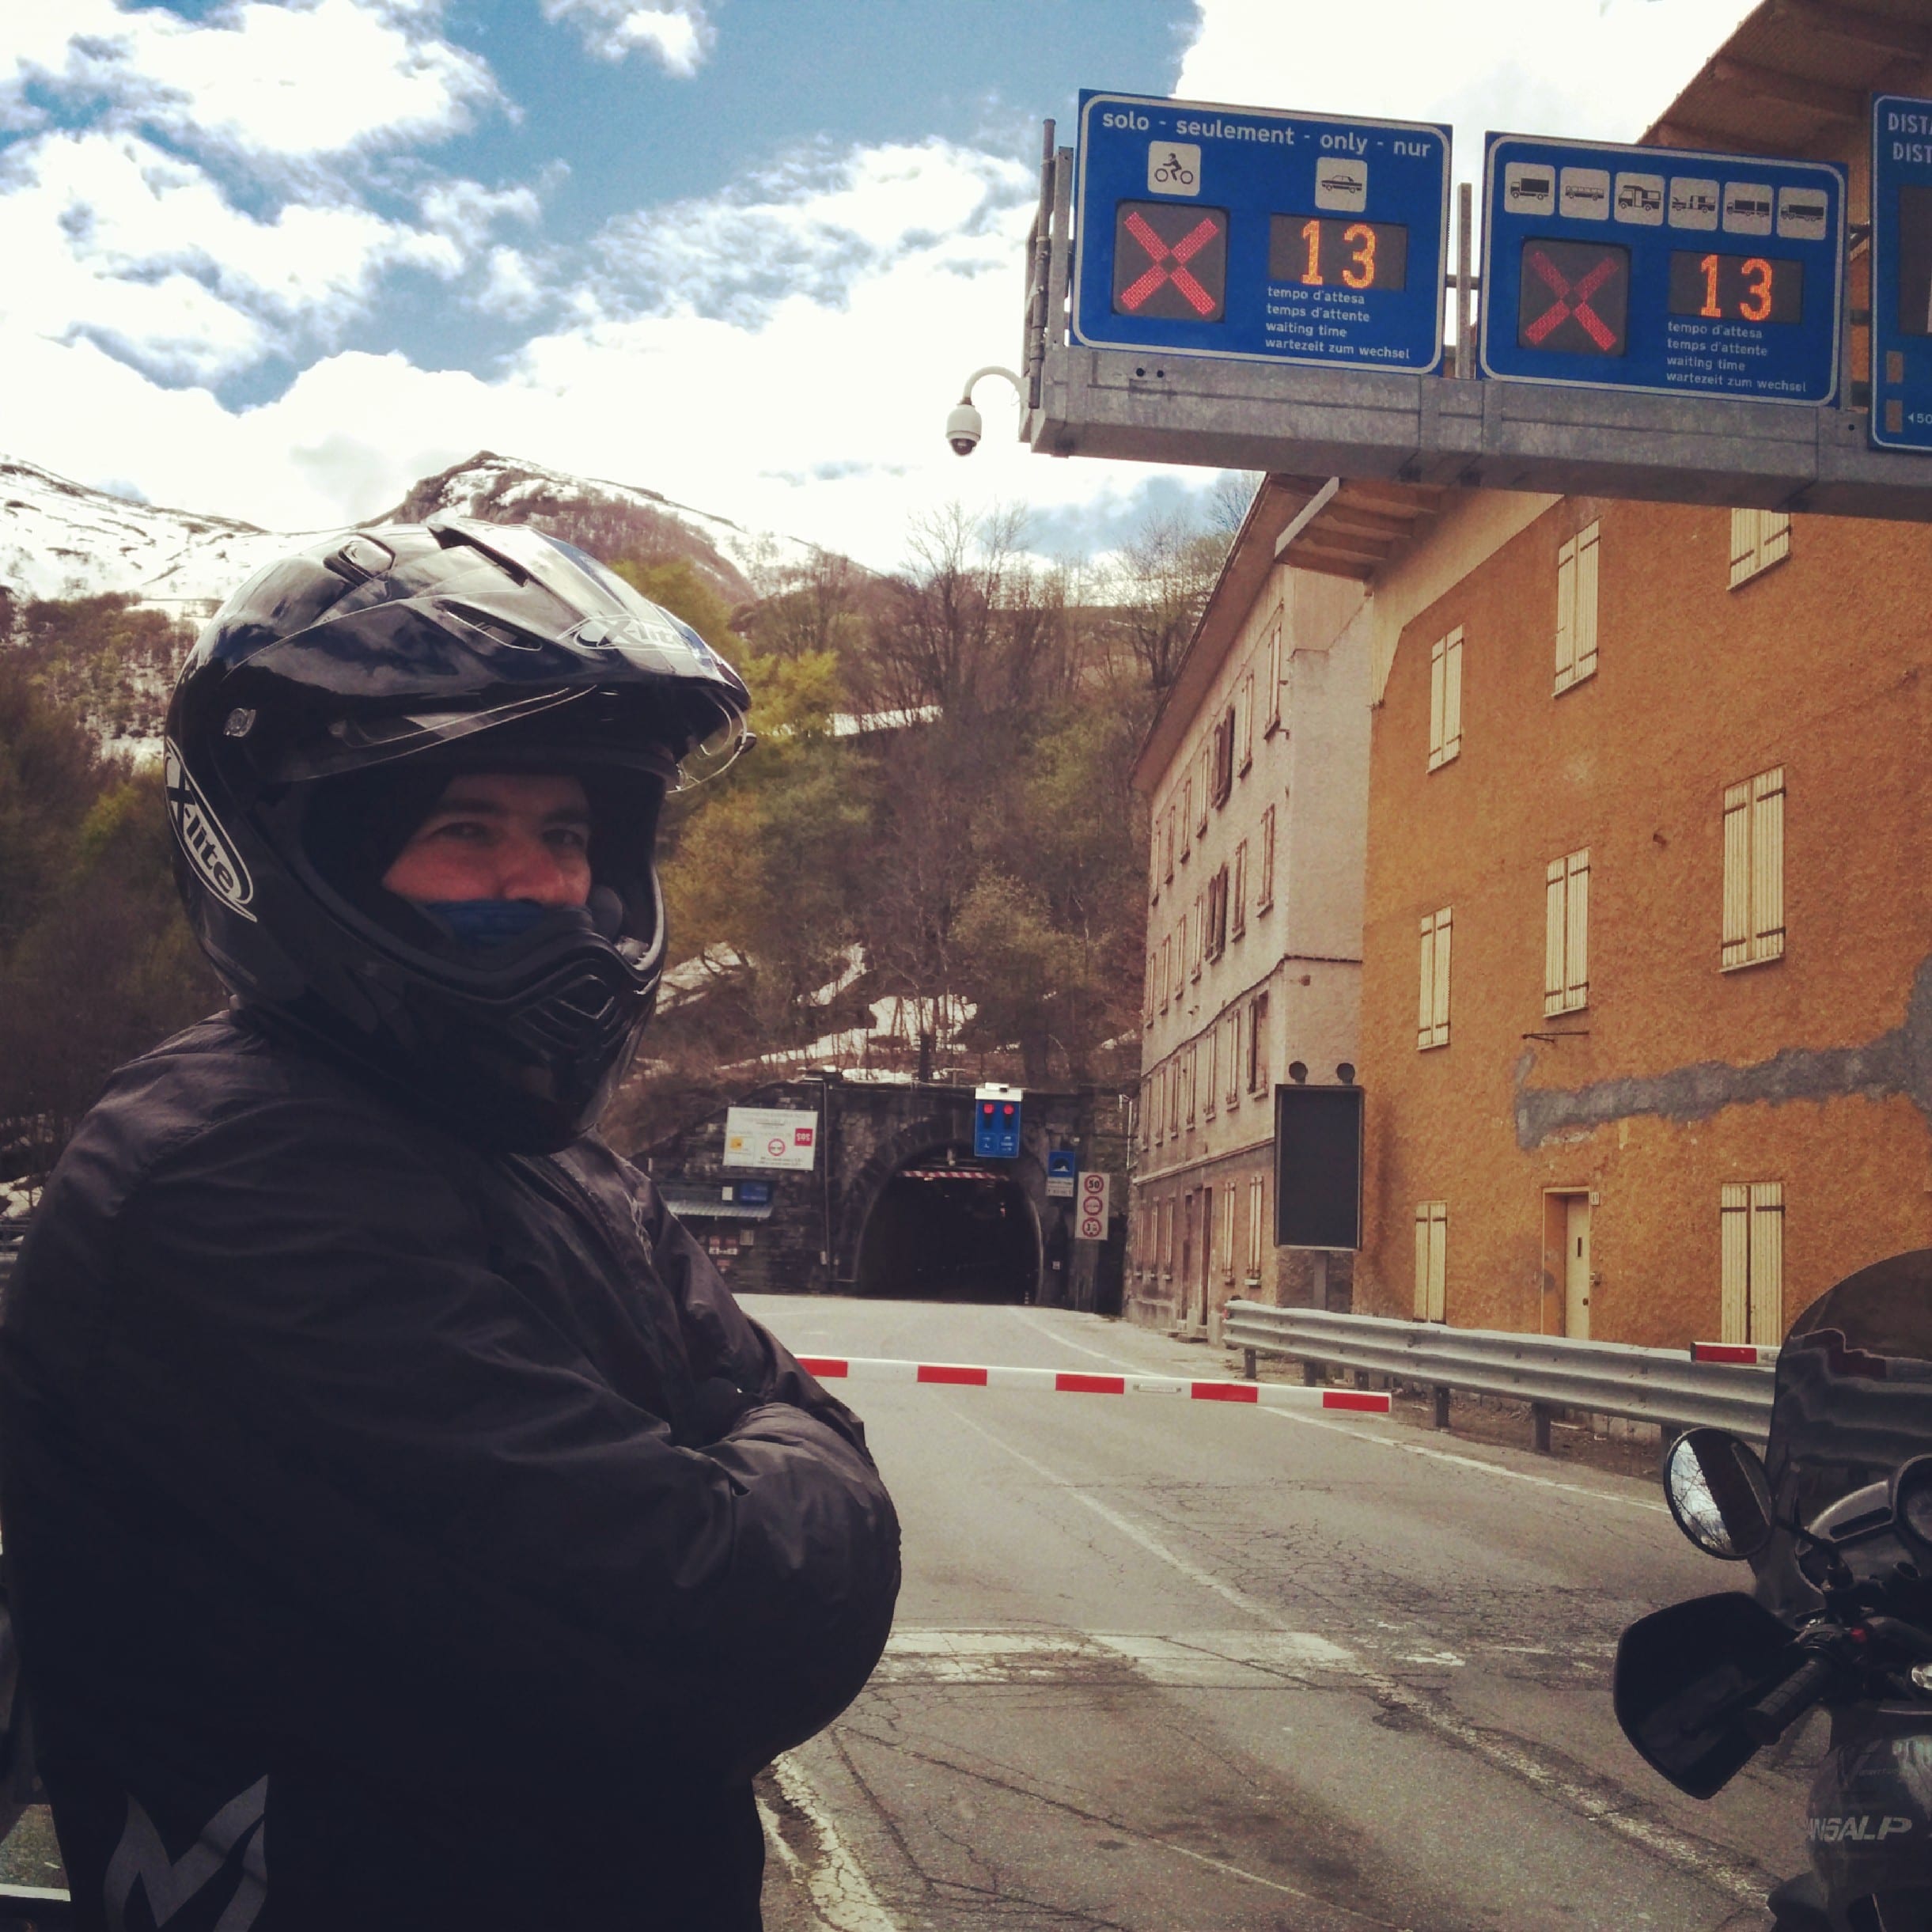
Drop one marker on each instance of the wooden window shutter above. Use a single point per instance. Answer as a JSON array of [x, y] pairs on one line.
[[1264, 890], [1439, 697], [1432, 1027], [1248, 720], [1774, 537], [1734, 1278], [1187, 815], [1213, 1043], [1744, 545], [1577, 932], [1555, 931], [1766, 1263], [1253, 1225], [1586, 602], [1767, 864], [1452, 695], [1233, 1089], [1207, 778], [1258, 1045], [1239, 919], [1170, 842], [1736, 874], [1431, 1260], [1275, 675], [1440, 1013], [1566, 616]]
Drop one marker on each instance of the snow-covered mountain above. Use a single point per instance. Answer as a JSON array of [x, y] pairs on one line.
[[62, 538], [59, 539]]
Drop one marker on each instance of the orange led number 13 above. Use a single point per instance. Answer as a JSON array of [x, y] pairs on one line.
[[1756, 307], [1360, 275]]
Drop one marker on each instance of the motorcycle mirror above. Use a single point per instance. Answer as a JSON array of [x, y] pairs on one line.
[[1715, 1484], [1911, 1501]]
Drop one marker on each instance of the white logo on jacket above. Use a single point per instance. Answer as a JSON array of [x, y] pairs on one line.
[[141, 1859]]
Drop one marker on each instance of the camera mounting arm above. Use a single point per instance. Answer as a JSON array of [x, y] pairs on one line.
[[965, 426]]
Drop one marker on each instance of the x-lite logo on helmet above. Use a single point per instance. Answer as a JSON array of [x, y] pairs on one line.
[[199, 834]]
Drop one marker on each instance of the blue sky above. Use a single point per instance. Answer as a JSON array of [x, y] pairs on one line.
[[278, 258]]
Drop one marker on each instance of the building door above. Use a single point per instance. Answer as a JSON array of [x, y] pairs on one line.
[[1577, 1266], [1198, 1313]]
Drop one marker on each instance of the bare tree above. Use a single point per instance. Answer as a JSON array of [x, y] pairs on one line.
[[1166, 570]]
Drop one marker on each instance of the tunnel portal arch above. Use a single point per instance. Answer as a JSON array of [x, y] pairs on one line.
[[938, 1224]]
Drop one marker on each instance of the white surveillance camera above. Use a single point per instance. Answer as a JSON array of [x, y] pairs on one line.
[[963, 429]]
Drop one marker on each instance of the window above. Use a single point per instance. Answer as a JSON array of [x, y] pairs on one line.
[[1566, 934], [1258, 1043], [1173, 1097], [1217, 941], [1231, 1092], [1153, 974], [1750, 1294], [1264, 885], [1199, 917], [1576, 609], [1238, 916], [1227, 1232], [1431, 1260], [1210, 1087], [1167, 955], [1187, 817], [1432, 1024], [1169, 873], [1194, 1084], [1167, 1235], [1272, 721], [1446, 699], [1201, 790], [1754, 870], [1256, 1190], [1146, 1122], [1247, 757], [1160, 1105], [1759, 538], [1223, 749]]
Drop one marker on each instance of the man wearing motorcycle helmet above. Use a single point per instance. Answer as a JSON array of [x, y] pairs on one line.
[[404, 1526]]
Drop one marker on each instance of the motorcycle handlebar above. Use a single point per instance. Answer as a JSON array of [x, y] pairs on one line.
[[1780, 1708]]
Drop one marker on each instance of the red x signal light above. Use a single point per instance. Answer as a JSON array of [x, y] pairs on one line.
[[1170, 261], [1575, 297]]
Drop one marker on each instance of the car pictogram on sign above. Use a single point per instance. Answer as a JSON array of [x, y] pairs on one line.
[[1170, 262]]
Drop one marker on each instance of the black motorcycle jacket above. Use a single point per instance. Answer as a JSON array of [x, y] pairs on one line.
[[399, 1536]]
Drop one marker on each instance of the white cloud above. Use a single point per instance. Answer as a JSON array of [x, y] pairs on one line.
[[679, 36], [1594, 69], [314, 78]]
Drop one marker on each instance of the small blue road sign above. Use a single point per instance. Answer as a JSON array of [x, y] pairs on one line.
[[1901, 273], [1652, 268], [1250, 233]]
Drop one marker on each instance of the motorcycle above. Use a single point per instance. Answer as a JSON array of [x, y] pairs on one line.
[[1835, 1522]]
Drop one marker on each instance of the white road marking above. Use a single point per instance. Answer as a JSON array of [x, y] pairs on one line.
[[1214, 1660], [1708, 1863], [834, 1880], [1385, 1442]]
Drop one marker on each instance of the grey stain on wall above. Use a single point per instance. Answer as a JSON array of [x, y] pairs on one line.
[[1899, 1061]]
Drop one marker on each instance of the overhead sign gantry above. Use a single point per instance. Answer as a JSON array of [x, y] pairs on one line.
[[1658, 324], [1260, 236]]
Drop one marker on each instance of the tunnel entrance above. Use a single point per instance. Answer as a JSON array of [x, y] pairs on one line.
[[950, 1230]]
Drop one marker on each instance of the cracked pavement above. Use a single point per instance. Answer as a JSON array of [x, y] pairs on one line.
[[1162, 1665]]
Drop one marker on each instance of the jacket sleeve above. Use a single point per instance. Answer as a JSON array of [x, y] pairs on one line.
[[719, 1338], [314, 1353]]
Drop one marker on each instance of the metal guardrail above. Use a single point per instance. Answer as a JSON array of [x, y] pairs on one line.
[[1660, 1385]]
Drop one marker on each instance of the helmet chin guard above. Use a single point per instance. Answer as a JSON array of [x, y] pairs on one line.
[[319, 716]]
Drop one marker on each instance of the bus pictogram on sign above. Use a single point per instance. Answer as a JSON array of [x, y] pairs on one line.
[[1170, 263], [1575, 297]]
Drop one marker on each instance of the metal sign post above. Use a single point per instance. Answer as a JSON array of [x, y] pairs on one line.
[[1259, 235], [1659, 270], [1901, 273]]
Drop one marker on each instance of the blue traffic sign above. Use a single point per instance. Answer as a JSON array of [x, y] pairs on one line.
[[1249, 232], [1901, 273], [1652, 268]]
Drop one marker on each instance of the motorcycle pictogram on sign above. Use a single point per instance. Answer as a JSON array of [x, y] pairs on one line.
[[1575, 297], [1170, 263]]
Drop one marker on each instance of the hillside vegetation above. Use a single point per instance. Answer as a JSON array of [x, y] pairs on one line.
[[937, 818]]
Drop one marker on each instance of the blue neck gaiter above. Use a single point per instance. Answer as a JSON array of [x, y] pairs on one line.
[[486, 922]]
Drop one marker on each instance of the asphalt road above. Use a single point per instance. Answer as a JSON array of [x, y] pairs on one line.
[[1164, 1665]]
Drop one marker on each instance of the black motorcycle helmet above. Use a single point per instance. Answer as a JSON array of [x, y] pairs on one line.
[[321, 713]]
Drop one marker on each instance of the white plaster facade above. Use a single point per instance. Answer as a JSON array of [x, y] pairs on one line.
[[1254, 930]]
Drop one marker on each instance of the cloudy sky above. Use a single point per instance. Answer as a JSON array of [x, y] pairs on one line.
[[278, 258]]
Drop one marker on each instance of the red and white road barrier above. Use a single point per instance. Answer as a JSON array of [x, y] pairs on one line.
[[1079, 1382], [1742, 1354]]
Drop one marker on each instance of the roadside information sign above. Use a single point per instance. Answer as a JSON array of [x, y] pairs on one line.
[[1901, 273], [1656, 269], [1090, 1207], [781, 1137], [1061, 1164], [1259, 234]]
